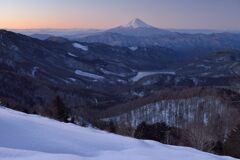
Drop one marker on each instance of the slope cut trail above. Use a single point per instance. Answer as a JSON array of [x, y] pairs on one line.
[[31, 137]]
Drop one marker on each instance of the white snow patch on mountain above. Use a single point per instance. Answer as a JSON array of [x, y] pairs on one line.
[[133, 48], [80, 46], [31, 137], [72, 55], [141, 75], [204, 66], [112, 73], [34, 71], [72, 79], [89, 75]]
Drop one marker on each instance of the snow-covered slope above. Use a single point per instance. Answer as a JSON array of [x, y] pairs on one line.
[[30, 137]]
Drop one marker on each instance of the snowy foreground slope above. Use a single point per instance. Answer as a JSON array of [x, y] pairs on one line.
[[30, 137]]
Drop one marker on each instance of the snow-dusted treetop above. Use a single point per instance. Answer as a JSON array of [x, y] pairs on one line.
[[137, 23]]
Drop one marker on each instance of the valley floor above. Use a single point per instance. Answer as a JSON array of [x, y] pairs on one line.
[[31, 137]]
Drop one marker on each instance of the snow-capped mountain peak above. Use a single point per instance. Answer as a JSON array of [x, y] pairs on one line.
[[137, 23]]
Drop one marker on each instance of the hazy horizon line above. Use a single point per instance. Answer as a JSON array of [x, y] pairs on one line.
[[102, 29]]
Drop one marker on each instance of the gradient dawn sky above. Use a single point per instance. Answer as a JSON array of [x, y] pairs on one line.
[[188, 14]]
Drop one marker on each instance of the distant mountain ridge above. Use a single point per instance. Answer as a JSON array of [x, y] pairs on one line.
[[139, 33]]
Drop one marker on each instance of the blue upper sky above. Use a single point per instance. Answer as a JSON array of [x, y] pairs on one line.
[[199, 14]]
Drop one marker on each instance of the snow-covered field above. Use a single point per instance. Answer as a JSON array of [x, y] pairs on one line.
[[31, 137]]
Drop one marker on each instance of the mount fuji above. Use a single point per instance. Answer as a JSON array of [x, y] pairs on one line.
[[137, 23], [138, 28], [137, 33]]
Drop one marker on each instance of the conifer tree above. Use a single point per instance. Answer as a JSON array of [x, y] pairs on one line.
[[232, 144], [60, 112]]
